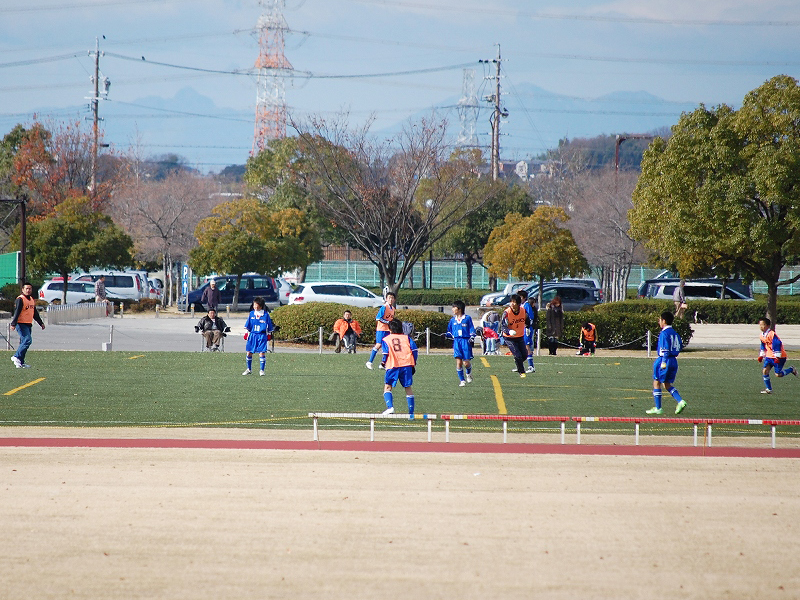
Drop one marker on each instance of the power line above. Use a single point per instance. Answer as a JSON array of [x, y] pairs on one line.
[[88, 4], [494, 11]]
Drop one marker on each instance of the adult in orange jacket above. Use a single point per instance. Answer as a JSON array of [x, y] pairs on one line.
[[346, 330]]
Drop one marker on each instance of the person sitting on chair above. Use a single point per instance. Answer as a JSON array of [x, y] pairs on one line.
[[346, 330], [213, 329]]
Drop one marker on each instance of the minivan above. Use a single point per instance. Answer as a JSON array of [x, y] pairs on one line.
[[119, 284], [251, 286]]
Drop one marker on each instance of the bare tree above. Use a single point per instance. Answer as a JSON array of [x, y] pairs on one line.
[[161, 216], [394, 198], [599, 203]]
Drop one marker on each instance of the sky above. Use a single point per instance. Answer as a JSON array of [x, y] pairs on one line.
[[183, 79]]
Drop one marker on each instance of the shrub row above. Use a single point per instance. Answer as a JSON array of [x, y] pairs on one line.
[[712, 311], [301, 322], [443, 297]]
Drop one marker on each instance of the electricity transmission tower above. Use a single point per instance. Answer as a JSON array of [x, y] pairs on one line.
[[468, 112], [272, 66]]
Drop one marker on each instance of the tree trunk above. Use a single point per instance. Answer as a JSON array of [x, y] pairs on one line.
[[772, 302], [469, 262]]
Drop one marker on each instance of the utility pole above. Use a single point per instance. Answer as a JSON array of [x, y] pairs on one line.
[[94, 106], [496, 114]]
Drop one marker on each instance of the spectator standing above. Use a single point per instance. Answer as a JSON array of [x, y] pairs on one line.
[[679, 298], [25, 314], [555, 324], [100, 292], [211, 296]]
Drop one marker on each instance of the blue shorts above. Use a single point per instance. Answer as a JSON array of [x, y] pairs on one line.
[[379, 335], [401, 374], [777, 363], [462, 348], [665, 374], [530, 340], [256, 342]]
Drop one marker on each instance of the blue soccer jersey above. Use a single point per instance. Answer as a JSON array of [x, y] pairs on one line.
[[258, 326], [461, 329], [665, 367]]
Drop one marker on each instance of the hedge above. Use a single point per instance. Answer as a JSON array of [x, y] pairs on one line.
[[712, 311], [300, 323], [442, 297]]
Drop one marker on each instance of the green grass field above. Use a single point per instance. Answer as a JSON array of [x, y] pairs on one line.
[[158, 389]]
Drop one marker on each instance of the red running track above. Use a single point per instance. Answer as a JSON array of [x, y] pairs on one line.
[[357, 446]]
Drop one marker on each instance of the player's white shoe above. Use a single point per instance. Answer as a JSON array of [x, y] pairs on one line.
[[261, 373], [246, 372], [462, 383], [388, 411], [766, 391], [469, 378], [26, 366], [369, 366], [530, 369], [17, 362]]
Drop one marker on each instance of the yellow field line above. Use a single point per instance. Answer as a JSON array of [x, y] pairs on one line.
[[137, 356], [22, 387], [498, 396], [484, 362]]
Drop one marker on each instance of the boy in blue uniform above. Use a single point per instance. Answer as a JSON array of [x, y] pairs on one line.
[[382, 319], [258, 327], [530, 332], [461, 330], [400, 357], [665, 367], [773, 354]]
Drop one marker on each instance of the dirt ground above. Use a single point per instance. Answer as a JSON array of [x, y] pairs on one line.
[[213, 523]]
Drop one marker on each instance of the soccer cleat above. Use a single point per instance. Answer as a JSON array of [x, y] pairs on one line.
[[469, 378], [383, 366], [680, 407], [794, 371], [26, 366], [530, 369], [388, 411], [462, 383], [655, 411], [246, 372], [766, 391], [369, 365], [522, 375], [261, 373], [17, 362], [514, 370]]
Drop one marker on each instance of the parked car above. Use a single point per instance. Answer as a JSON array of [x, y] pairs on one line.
[[696, 290], [646, 287], [334, 291], [119, 284], [251, 286], [574, 293], [510, 288], [284, 289], [77, 291]]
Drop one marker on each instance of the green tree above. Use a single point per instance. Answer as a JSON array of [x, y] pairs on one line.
[[467, 238], [723, 195], [248, 235], [76, 237], [534, 247]]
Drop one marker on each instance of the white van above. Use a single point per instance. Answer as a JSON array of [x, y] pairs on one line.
[[120, 285], [694, 290]]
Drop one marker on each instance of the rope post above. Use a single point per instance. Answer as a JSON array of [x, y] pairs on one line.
[[649, 343], [320, 340], [578, 432], [157, 311], [695, 435], [447, 430], [121, 310], [773, 435], [430, 429], [372, 429], [505, 431], [427, 340], [709, 435], [563, 427], [637, 434], [316, 432], [538, 341]]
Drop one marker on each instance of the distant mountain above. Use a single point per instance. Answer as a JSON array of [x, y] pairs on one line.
[[212, 137]]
